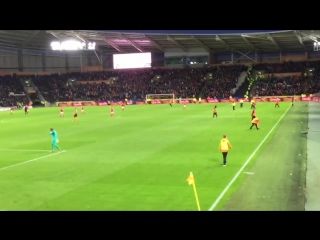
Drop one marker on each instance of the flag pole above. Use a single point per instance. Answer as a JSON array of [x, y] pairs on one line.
[[191, 180], [196, 195]]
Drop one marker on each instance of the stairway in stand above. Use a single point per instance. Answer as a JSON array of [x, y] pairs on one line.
[[203, 84], [241, 91]]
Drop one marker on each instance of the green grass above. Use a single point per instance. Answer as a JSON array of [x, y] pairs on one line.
[[139, 160], [278, 178]]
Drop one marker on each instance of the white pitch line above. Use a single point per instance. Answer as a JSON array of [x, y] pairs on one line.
[[32, 160], [23, 150], [225, 190]]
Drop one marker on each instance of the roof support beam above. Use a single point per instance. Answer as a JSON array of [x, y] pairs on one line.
[[154, 43], [201, 43], [245, 55], [115, 46], [224, 43], [274, 42], [177, 43], [299, 39], [249, 43], [135, 45], [87, 41]]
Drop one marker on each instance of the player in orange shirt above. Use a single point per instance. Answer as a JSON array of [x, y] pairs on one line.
[[75, 115], [215, 112], [277, 103], [111, 112], [170, 103], [255, 122], [122, 106], [82, 110], [61, 112], [253, 114]]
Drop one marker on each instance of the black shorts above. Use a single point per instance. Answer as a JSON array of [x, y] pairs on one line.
[[75, 115], [214, 114]]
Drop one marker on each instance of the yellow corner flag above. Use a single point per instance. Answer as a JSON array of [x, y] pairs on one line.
[[191, 181]]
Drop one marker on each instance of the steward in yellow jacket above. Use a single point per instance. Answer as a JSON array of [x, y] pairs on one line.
[[224, 148]]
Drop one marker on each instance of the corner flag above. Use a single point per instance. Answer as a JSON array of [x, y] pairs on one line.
[[191, 181]]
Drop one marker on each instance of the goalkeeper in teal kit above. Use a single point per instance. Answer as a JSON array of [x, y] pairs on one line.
[[54, 135]]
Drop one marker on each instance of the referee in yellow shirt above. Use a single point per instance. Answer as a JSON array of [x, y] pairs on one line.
[[241, 103], [224, 148]]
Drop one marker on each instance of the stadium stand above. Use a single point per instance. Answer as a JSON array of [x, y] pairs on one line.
[[313, 83], [182, 82], [8, 85], [134, 84], [223, 80], [276, 86], [189, 82]]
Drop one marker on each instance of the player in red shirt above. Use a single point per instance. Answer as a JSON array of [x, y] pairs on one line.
[[82, 110], [11, 110], [61, 112], [111, 112], [122, 106]]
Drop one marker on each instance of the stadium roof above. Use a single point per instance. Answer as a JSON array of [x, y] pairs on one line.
[[144, 41]]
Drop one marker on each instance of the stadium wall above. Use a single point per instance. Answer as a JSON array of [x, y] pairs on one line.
[[186, 101], [11, 60]]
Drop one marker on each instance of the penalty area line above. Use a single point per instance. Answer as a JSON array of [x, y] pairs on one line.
[[225, 190], [31, 160]]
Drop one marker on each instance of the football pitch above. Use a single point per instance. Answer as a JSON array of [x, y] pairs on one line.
[[140, 159]]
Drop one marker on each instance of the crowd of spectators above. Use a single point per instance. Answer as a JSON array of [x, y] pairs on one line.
[[131, 84], [290, 85], [181, 82], [53, 87], [276, 86], [127, 84], [8, 85], [222, 81], [136, 84], [313, 84]]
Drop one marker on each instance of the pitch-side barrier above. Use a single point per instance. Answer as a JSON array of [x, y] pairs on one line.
[[188, 101]]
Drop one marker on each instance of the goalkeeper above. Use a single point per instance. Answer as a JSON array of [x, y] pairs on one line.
[[55, 140]]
